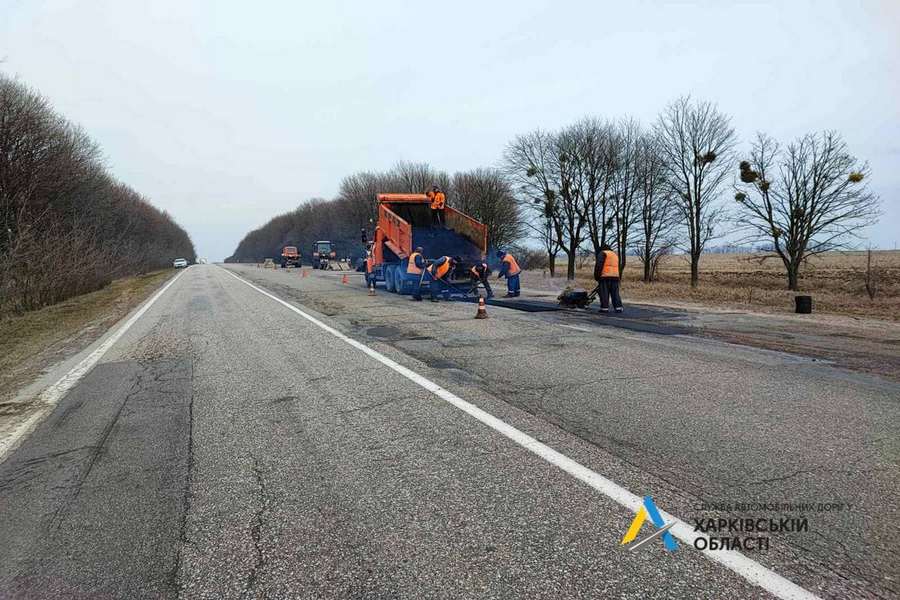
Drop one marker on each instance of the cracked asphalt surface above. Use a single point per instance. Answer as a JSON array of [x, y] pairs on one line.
[[226, 447]]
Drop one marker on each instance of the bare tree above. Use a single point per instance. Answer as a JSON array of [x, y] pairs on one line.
[[808, 199], [658, 215], [528, 163], [414, 178], [626, 174], [570, 206], [594, 161], [697, 143], [357, 195], [486, 195]]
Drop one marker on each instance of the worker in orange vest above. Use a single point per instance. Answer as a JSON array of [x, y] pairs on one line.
[[370, 267], [440, 271], [606, 272], [415, 272], [479, 274], [438, 202], [509, 268]]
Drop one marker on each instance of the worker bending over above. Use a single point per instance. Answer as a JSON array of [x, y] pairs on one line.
[[440, 270], [479, 274], [415, 272], [438, 202], [509, 268], [606, 272]]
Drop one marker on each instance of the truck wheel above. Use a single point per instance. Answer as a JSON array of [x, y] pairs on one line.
[[400, 282], [389, 278]]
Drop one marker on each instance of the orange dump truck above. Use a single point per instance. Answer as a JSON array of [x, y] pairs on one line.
[[405, 222], [290, 257]]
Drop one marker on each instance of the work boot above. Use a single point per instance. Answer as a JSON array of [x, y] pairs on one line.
[[433, 299], [509, 296], [604, 310], [620, 309]]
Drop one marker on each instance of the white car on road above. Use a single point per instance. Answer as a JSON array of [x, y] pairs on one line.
[[180, 263]]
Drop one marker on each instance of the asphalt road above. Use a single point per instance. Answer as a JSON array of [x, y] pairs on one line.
[[226, 446]]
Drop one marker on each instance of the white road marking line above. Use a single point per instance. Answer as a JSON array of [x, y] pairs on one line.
[[53, 394], [747, 568]]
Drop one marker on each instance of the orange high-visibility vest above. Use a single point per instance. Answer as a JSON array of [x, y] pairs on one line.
[[438, 202], [411, 268], [513, 265], [610, 265], [442, 269], [476, 272]]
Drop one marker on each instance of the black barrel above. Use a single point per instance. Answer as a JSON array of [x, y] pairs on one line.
[[803, 305]]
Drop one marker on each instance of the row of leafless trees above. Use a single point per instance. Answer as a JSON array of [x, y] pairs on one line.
[[68, 227], [647, 190], [482, 193]]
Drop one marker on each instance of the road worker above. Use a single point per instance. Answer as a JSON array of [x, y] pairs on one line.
[[606, 272], [439, 272], [438, 202], [479, 274], [370, 267], [509, 268], [415, 272]]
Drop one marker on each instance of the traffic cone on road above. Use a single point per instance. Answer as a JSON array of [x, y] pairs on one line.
[[371, 289], [482, 309], [344, 279], [303, 271]]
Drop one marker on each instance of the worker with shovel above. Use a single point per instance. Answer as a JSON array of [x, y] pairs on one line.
[[479, 274], [415, 272], [509, 268], [439, 270], [606, 272]]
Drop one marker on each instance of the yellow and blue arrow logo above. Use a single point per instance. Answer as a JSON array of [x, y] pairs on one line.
[[649, 510]]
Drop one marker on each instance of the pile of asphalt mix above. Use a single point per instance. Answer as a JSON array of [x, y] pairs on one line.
[[437, 242]]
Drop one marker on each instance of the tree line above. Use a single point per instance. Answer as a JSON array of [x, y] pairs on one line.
[[646, 191], [68, 226]]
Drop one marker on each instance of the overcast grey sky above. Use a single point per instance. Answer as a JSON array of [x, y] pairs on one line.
[[227, 113]]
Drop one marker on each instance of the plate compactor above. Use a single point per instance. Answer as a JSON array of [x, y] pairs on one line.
[[577, 297]]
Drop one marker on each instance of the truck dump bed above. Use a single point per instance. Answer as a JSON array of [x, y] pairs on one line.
[[404, 222]]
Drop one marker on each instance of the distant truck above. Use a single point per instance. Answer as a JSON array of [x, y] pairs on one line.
[[290, 257], [405, 222], [322, 254]]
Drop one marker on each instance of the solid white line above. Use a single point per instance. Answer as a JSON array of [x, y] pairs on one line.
[[747, 568], [53, 394]]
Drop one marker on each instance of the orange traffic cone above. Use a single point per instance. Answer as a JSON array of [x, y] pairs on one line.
[[344, 279], [303, 272], [371, 289], [482, 309]]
